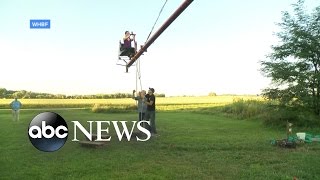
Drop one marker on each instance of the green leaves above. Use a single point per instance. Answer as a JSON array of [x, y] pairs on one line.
[[294, 63]]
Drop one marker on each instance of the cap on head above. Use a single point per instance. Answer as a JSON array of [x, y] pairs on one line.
[[152, 90]]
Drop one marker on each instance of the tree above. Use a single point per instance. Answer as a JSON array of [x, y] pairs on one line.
[[294, 64], [3, 93], [18, 94], [212, 94]]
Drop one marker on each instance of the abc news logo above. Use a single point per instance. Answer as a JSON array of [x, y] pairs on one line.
[[48, 131]]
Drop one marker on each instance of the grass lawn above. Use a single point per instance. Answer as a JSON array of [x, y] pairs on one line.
[[190, 146]]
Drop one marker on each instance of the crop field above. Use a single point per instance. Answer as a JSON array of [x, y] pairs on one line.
[[162, 103]]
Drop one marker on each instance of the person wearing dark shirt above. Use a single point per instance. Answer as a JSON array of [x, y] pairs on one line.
[[151, 110], [128, 49]]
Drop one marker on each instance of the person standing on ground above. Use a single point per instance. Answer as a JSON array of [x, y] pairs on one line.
[[15, 107], [151, 110], [142, 107]]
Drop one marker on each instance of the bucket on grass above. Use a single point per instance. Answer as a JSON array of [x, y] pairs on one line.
[[301, 135]]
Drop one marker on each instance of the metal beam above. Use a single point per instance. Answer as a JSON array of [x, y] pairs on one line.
[[166, 24]]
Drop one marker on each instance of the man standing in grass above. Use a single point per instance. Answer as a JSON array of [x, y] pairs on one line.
[[15, 106], [151, 110]]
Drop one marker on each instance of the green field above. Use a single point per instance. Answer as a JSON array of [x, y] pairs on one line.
[[190, 146]]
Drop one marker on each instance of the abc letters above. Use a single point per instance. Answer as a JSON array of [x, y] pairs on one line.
[[44, 129]]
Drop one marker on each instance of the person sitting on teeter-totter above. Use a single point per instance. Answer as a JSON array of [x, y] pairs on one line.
[[128, 49]]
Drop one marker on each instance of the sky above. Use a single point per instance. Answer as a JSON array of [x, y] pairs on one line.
[[213, 46]]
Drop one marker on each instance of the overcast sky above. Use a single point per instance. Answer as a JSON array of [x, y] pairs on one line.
[[212, 46]]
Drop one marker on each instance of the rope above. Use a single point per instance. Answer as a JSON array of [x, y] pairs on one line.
[[136, 81], [138, 78], [138, 75], [156, 19]]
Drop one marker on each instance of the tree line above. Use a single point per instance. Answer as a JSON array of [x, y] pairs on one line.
[[23, 94]]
